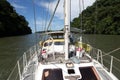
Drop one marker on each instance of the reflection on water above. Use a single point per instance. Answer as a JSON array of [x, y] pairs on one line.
[[11, 48]]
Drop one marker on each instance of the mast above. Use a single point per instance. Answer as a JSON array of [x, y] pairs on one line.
[[66, 26]]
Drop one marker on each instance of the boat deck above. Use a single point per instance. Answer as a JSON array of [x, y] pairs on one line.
[[60, 58], [30, 72], [103, 74]]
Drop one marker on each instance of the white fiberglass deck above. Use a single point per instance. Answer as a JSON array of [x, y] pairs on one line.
[[34, 69], [38, 71]]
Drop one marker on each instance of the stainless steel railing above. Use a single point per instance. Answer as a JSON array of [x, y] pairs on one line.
[[22, 63], [109, 62]]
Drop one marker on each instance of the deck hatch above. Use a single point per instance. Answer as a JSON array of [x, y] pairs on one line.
[[71, 71], [52, 74], [88, 73]]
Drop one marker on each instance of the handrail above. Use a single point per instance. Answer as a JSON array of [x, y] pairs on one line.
[[29, 54], [108, 61], [12, 72], [19, 68], [111, 51], [111, 65]]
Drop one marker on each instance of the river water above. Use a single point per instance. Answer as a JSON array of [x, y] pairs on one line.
[[11, 48]]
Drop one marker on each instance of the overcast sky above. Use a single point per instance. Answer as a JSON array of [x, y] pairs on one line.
[[43, 11]]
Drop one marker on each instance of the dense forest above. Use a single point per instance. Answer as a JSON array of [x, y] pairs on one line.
[[11, 23], [103, 17]]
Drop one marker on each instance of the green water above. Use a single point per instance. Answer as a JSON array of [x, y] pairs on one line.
[[11, 48], [106, 43]]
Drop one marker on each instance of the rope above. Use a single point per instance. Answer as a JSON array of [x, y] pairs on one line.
[[53, 15]]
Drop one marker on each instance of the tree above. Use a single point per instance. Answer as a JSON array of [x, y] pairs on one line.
[[103, 19], [11, 23]]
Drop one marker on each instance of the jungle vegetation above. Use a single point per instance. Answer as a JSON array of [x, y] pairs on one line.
[[103, 17], [11, 23]]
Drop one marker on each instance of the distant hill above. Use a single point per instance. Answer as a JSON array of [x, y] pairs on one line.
[[103, 17], [11, 23]]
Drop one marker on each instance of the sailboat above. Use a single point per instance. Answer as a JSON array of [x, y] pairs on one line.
[[58, 58]]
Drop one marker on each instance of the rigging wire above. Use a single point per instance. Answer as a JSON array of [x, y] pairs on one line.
[[42, 21], [81, 7], [36, 37], [53, 15], [47, 16], [95, 23], [50, 6], [80, 12], [96, 20], [83, 4], [43, 17], [34, 13]]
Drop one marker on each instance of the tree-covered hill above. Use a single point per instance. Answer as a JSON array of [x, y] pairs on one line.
[[11, 23], [103, 17]]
